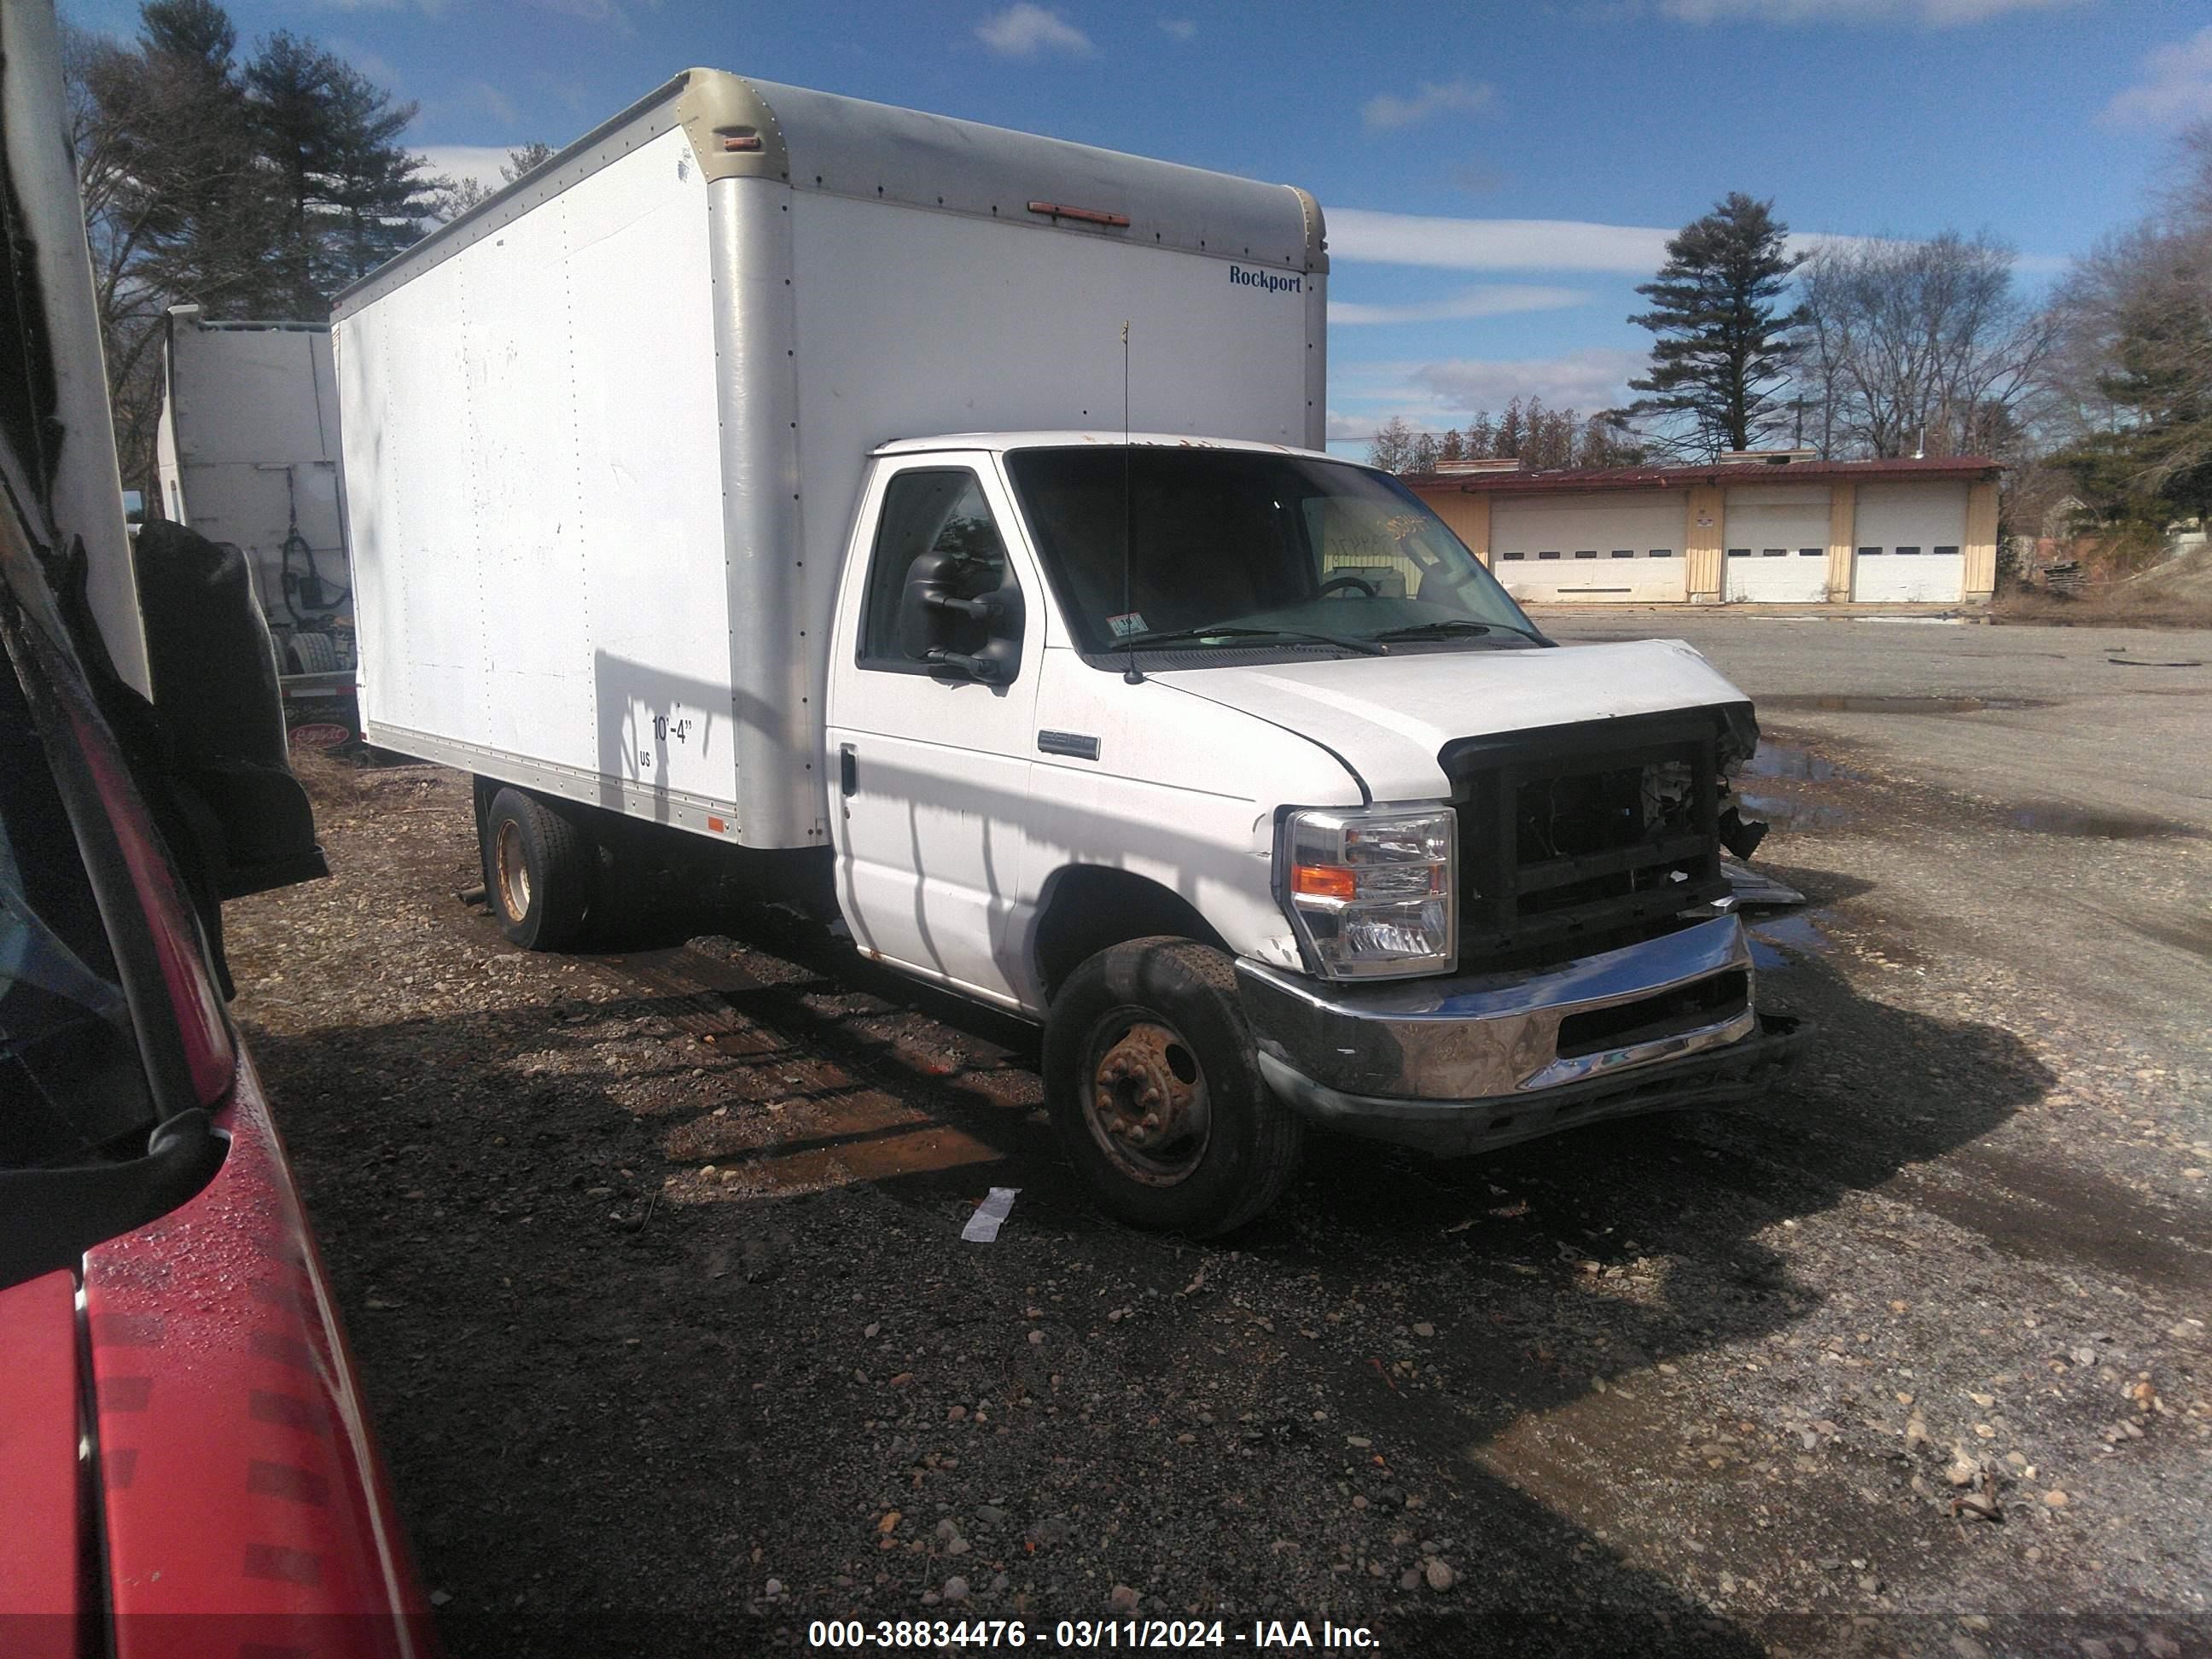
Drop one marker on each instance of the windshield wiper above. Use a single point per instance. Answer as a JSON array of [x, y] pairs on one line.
[[1174, 635], [1450, 628]]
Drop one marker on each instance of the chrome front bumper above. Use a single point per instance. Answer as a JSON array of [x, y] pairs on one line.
[[1461, 1064]]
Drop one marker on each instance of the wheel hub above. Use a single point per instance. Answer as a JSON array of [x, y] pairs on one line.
[[513, 871], [1148, 1103]]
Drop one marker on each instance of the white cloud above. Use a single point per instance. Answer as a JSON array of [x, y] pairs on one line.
[[1932, 14], [1023, 31], [1460, 97], [1344, 429], [1358, 235], [1590, 379], [1433, 396], [2176, 86], [1412, 238], [1181, 28], [481, 162], [1485, 300]]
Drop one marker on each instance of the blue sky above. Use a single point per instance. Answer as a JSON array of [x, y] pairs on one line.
[[1498, 177]]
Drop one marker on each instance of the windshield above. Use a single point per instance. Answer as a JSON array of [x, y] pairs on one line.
[[1239, 548], [69, 1075]]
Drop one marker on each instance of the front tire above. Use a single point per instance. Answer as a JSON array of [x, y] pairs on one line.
[[1153, 1084], [538, 870]]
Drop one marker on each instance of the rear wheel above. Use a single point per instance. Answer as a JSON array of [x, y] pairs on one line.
[[1154, 1088], [311, 654], [538, 868]]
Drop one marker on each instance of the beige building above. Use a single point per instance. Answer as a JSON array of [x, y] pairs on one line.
[[1778, 527]]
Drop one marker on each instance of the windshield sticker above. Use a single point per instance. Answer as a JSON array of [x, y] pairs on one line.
[[1265, 279], [1125, 625]]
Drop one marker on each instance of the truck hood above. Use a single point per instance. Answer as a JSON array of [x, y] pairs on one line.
[[1387, 717]]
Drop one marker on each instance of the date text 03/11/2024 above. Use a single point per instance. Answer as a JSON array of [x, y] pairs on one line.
[[1087, 1635]]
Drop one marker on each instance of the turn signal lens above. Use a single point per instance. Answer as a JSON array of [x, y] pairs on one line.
[[1324, 881]]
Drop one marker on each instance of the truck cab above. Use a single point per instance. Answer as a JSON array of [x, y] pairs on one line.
[[1232, 764]]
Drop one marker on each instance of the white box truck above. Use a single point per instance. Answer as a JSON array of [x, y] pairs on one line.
[[247, 454], [757, 469]]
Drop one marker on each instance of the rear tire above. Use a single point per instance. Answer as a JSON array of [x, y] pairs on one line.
[[539, 870], [1153, 1084], [311, 654]]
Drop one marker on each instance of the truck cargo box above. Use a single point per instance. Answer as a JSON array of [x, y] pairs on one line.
[[247, 450], [605, 435]]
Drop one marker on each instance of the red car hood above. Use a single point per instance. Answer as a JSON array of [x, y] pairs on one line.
[[240, 1501]]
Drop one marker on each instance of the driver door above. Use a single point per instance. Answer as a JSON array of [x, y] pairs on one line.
[[928, 765]]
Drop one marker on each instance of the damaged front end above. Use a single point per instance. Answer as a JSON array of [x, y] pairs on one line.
[[1602, 970]]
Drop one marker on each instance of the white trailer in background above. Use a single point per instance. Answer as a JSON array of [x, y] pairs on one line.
[[247, 450], [756, 473]]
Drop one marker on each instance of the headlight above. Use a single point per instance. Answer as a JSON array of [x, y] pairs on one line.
[[1371, 891]]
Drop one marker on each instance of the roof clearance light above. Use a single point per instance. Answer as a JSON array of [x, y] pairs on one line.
[[738, 138]]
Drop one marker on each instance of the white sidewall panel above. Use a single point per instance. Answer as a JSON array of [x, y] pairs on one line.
[[535, 493], [1923, 515], [1602, 524]]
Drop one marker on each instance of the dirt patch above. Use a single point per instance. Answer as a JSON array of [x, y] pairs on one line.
[[652, 1262]]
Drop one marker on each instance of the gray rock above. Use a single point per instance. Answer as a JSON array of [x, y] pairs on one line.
[[956, 1589]]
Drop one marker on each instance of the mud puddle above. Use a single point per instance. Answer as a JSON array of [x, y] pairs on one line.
[[1783, 813], [2050, 818], [1826, 704], [1775, 941], [1784, 760]]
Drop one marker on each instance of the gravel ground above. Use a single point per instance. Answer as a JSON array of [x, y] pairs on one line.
[[651, 1258]]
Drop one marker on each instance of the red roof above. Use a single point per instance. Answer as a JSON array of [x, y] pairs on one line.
[[1670, 477]]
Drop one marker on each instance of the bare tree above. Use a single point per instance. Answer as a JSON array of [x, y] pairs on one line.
[[1911, 347], [1392, 448]]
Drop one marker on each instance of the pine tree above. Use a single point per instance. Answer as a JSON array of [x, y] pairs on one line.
[[1511, 433], [349, 195], [176, 207], [2153, 468], [1724, 340]]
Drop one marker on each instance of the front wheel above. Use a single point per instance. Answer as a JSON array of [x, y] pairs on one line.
[[1154, 1088]]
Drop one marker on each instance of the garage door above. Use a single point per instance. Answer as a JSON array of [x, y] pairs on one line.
[[1598, 550], [1909, 538], [1775, 537]]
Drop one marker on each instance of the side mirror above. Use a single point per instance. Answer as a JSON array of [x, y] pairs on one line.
[[963, 615], [50, 1218]]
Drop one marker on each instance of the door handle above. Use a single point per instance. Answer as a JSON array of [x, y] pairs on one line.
[[849, 770]]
